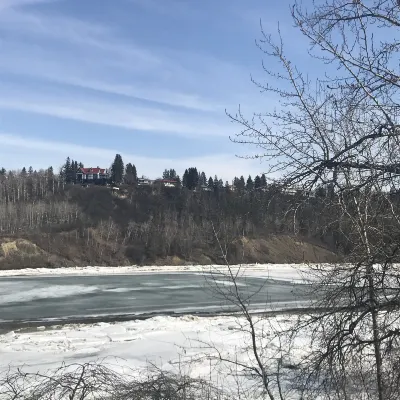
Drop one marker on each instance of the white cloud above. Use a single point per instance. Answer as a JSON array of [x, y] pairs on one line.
[[18, 151], [41, 64], [112, 113], [43, 49], [102, 59]]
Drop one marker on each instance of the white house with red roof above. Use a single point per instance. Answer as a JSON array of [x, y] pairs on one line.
[[92, 175]]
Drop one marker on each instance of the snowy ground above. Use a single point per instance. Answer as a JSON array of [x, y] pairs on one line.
[[167, 342], [288, 272]]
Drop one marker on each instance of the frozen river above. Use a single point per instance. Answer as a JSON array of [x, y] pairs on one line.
[[40, 299]]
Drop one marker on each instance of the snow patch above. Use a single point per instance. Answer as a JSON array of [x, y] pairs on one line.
[[286, 272], [51, 291], [120, 290]]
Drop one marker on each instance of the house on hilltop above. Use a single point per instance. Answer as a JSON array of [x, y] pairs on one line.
[[96, 175], [143, 181], [167, 182]]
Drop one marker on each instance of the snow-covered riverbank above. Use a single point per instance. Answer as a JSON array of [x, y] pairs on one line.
[[164, 341], [290, 272]]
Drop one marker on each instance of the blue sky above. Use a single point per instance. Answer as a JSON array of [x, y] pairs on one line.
[[149, 79]]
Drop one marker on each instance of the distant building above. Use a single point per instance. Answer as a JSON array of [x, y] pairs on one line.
[[92, 175], [143, 181], [166, 182]]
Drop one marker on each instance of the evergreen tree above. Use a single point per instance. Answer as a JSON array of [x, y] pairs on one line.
[[242, 183], [263, 181], [203, 179], [169, 174], [185, 178], [249, 183], [67, 164], [67, 170], [3, 171], [236, 183], [130, 177], [210, 183], [257, 182], [220, 183], [30, 170], [191, 178], [215, 182], [117, 169], [23, 171]]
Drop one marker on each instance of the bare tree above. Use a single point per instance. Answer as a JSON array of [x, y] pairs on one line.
[[341, 131], [98, 380]]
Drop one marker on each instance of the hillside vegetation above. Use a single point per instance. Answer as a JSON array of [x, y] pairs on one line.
[[45, 222]]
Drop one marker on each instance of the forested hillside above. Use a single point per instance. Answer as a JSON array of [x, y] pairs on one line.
[[47, 221]]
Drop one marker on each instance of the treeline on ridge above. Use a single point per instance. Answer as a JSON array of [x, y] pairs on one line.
[[52, 221]]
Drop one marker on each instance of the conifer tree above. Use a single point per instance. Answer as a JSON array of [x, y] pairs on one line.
[[236, 183], [117, 169], [203, 179], [185, 178], [263, 181], [169, 174], [249, 183], [130, 177], [242, 183], [67, 170], [215, 182], [191, 178]]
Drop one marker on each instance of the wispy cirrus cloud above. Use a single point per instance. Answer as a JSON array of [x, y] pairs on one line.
[[69, 65], [39, 64], [99, 60], [117, 114]]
